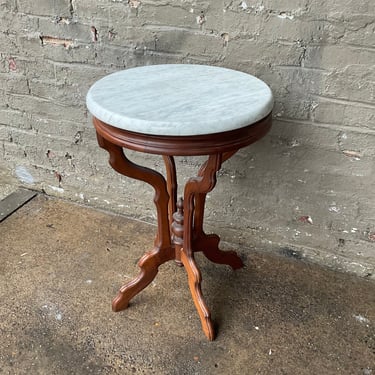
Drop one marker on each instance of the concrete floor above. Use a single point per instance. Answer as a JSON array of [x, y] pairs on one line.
[[62, 264]]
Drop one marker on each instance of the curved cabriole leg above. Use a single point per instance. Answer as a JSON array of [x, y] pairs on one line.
[[195, 279], [163, 250], [201, 184]]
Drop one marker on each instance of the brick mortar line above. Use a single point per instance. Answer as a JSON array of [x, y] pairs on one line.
[[31, 15], [39, 117], [361, 47], [67, 64], [299, 67], [34, 134], [42, 99], [336, 127], [217, 34], [200, 32], [353, 103], [155, 27]]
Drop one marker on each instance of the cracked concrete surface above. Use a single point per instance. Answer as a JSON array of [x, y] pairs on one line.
[[63, 263]]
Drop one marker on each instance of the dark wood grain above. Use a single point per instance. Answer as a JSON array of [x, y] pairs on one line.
[[206, 144]]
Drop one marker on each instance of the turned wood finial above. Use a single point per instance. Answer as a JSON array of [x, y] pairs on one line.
[[178, 223], [180, 205]]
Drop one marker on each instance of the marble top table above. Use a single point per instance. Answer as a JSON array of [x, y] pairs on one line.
[[175, 110], [179, 100]]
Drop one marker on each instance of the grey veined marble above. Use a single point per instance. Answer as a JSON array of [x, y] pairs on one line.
[[179, 99]]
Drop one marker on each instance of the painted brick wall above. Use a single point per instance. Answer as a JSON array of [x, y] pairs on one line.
[[318, 162]]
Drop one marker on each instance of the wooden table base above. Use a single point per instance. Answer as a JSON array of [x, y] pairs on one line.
[[180, 222], [180, 226]]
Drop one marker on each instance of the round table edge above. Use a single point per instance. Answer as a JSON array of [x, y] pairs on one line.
[[193, 145]]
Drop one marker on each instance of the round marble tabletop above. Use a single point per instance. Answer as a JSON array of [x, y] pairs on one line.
[[179, 100]]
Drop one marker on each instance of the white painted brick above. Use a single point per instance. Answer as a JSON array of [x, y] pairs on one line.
[[318, 60]]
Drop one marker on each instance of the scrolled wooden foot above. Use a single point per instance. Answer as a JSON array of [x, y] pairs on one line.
[[195, 279], [209, 245], [149, 265]]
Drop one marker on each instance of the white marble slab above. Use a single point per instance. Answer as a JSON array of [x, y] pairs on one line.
[[179, 99]]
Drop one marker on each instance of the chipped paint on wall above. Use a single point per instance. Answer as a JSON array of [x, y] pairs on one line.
[[24, 175]]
